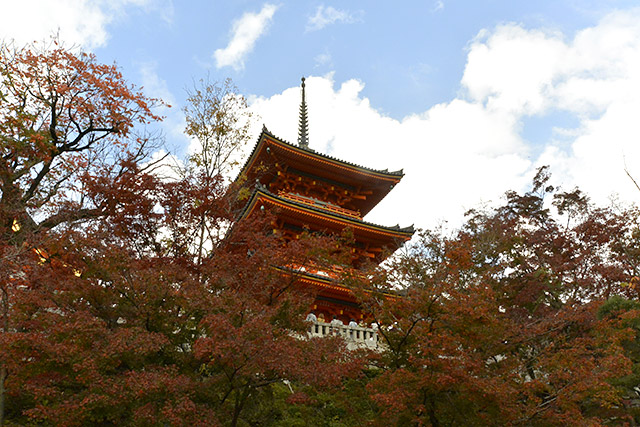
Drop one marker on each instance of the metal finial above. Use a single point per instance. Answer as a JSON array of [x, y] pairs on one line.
[[303, 126]]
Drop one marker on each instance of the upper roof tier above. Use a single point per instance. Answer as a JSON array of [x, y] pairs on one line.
[[360, 188]]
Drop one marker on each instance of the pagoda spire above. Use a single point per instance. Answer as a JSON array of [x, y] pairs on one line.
[[303, 126]]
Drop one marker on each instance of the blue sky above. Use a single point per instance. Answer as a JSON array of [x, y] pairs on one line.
[[469, 97]]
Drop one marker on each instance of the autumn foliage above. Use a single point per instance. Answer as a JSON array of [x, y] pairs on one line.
[[499, 324], [114, 311], [127, 299]]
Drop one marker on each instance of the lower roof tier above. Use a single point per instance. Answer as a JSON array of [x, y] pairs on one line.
[[331, 296]]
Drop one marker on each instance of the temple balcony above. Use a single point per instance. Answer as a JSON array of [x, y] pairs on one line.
[[354, 336], [320, 204]]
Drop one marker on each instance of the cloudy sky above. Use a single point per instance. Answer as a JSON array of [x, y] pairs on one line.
[[469, 97]]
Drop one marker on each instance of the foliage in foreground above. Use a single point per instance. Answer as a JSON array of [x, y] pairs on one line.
[[500, 324], [125, 300], [119, 303]]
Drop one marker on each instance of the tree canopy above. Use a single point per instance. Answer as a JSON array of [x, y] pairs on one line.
[[127, 299], [500, 320], [112, 312]]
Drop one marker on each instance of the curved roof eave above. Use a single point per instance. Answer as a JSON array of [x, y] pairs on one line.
[[400, 231], [394, 175]]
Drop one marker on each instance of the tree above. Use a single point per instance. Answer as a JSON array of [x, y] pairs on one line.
[[113, 313], [64, 120], [131, 300], [623, 314], [65, 123], [158, 337], [218, 120], [498, 323]]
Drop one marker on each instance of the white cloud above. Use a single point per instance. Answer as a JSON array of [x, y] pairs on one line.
[[327, 15], [473, 148], [439, 5], [174, 123], [154, 85], [244, 34], [322, 59], [512, 68], [78, 22], [595, 77]]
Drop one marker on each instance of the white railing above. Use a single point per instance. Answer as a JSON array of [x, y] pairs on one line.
[[355, 336]]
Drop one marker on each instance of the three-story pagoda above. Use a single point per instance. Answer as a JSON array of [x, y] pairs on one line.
[[319, 193]]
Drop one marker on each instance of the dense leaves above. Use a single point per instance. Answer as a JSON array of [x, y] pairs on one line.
[[127, 299], [131, 300], [499, 321]]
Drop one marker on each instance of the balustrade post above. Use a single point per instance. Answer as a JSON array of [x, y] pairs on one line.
[[354, 336]]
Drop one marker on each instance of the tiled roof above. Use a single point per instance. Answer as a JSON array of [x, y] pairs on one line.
[[265, 131], [260, 189]]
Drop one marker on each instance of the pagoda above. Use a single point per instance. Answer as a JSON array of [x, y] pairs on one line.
[[316, 192]]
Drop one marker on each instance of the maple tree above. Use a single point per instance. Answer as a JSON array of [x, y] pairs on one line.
[[499, 323], [623, 314], [65, 121], [128, 299], [112, 311]]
